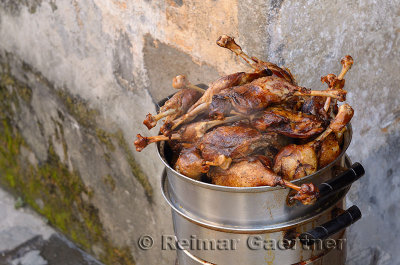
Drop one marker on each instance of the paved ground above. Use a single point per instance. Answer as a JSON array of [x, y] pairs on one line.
[[26, 239]]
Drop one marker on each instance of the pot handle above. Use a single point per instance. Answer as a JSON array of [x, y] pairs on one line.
[[341, 181], [349, 217]]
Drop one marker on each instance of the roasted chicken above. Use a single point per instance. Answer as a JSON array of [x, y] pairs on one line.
[[177, 105], [189, 133], [254, 129], [258, 65], [223, 144], [297, 161], [255, 171], [261, 93], [294, 124]]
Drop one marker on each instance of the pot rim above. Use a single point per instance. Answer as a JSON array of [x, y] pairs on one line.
[[246, 230], [346, 144]]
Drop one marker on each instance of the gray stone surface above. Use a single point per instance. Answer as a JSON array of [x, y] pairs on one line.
[[18, 226], [27, 239], [163, 63], [313, 36], [119, 57]]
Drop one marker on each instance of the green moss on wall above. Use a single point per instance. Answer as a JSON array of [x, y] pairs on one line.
[[14, 6], [86, 117], [136, 170], [50, 187]]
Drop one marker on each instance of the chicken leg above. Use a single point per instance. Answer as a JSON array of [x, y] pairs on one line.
[[181, 82], [220, 84], [288, 122], [255, 171], [189, 133], [297, 161], [261, 93], [177, 105], [337, 83], [230, 44]]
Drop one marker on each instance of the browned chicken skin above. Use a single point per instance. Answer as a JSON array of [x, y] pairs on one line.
[[255, 171], [288, 122], [297, 161], [235, 129], [260, 94], [189, 133], [177, 105], [329, 150], [191, 164], [220, 84], [226, 143], [229, 43], [251, 172]]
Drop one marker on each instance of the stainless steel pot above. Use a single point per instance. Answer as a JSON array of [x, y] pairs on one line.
[[244, 208], [221, 245], [210, 212], [333, 257]]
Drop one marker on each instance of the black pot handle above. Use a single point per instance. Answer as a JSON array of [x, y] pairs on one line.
[[349, 217], [341, 181]]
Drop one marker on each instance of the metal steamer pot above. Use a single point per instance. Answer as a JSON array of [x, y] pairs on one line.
[[254, 207], [203, 211], [200, 243]]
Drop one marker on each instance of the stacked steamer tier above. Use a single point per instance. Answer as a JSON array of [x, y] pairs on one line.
[[229, 132], [260, 225]]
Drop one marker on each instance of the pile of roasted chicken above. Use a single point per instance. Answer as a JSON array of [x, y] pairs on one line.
[[253, 129]]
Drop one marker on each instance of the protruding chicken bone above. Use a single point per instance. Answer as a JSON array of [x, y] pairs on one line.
[[189, 133], [177, 105], [180, 82], [337, 83], [255, 171], [297, 161], [215, 87], [261, 93], [258, 65]]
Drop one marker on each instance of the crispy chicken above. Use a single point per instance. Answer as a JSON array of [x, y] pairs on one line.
[[189, 133], [254, 129], [191, 164], [297, 161], [258, 65], [220, 146], [202, 104], [261, 93], [294, 124], [177, 105], [255, 171]]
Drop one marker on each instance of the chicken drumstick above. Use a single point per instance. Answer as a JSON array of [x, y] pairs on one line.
[[229, 43], [189, 133], [288, 122], [297, 161], [215, 87], [262, 93], [256, 171], [337, 83], [174, 107]]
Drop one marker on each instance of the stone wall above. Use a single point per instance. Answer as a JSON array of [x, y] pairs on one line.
[[77, 78]]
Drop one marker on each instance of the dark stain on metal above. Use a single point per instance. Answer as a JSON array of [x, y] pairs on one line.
[[289, 238]]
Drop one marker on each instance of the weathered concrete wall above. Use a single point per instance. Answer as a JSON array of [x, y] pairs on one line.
[[77, 78]]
